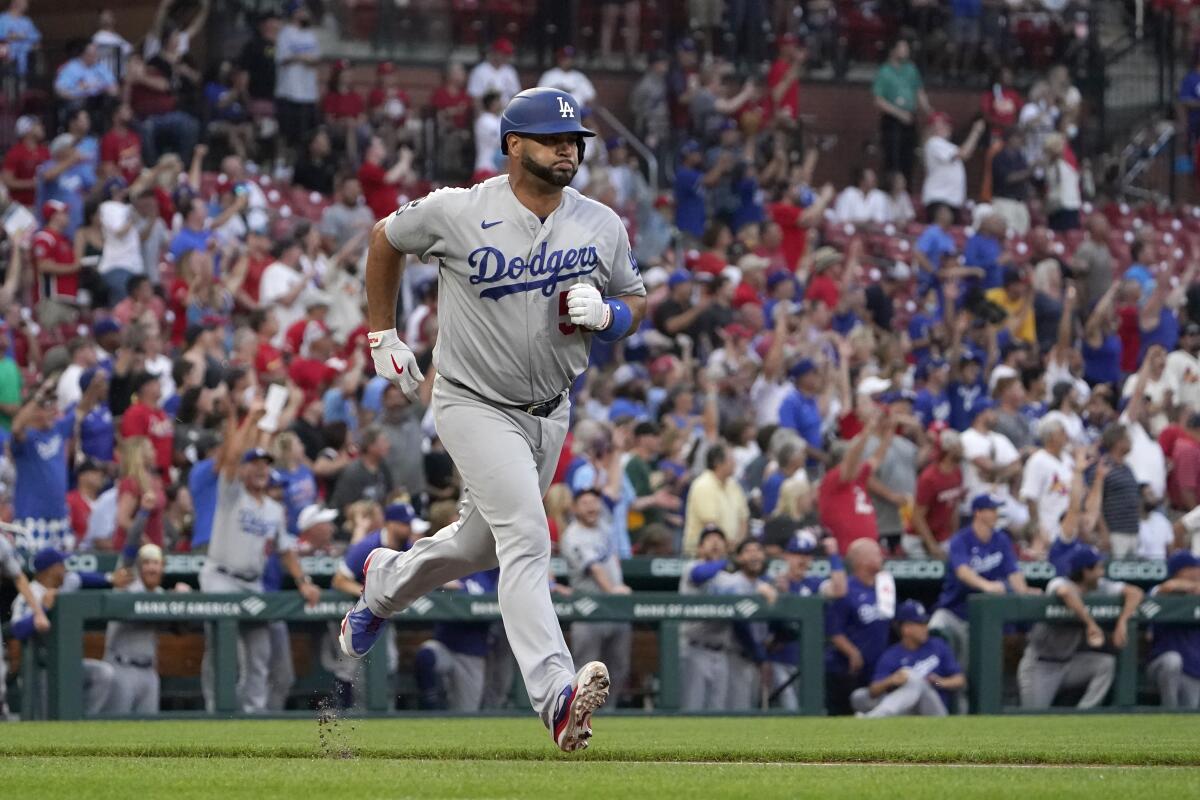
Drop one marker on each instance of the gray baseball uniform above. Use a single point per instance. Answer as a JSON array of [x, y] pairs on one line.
[[745, 676], [132, 649], [1054, 659], [10, 565], [505, 340], [609, 642], [705, 647], [245, 530]]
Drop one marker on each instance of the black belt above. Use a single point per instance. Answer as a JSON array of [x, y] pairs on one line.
[[544, 409], [716, 648], [248, 577], [140, 663], [1049, 660]]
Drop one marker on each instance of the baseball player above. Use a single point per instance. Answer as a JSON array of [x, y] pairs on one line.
[[529, 272], [917, 675], [51, 578], [982, 559], [452, 662], [783, 651], [132, 648], [10, 565], [1054, 655], [747, 661], [248, 526], [857, 625], [595, 569], [703, 645], [1175, 649]]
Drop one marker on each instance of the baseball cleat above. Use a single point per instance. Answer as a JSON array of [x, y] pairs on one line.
[[571, 726], [360, 628]]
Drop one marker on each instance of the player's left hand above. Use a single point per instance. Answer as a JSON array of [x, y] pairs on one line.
[[310, 593], [587, 308]]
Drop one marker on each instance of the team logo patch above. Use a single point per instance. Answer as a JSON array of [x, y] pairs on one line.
[[564, 109]]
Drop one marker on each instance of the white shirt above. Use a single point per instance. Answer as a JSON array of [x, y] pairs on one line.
[[68, 390], [766, 397], [854, 206], [1046, 481], [1155, 536], [945, 175], [486, 78], [279, 280], [161, 366], [487, 141], [1182, 375], [1069, 192], [989, 444], [121, 250], [571, 81], [296, 81], [900, 209], [1072, 424], [1157, 392], [1146, 459]]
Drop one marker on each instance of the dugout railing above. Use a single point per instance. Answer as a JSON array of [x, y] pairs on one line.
[[57, 657]]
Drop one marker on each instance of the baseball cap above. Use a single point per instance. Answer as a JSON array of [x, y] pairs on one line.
[[663, 364], [898, 396], [88, 465], [1012, 276], [777, 277], [803, 542], [149, 552], [47, 557], [316, 299], [825, 257], [926, 367], [899, 271], [647, 428], [872, 385], [664, 200], [504, 46], [400, 512], [314, 514], [736, 330], [25, 124], [912, 611], [1180, 560], [940, 116], [1083, 558], [258, 454], [984, 502], [615, 142], [105, 325], [801, 368], [566, 51], [689, 147], [52, 207], [61, 142], [1191, 329], [679, 276], [981, 405]]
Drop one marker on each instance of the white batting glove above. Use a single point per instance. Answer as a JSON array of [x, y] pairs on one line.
[[395, 361], [587, 307]]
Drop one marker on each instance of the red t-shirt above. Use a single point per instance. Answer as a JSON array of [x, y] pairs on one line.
[[125, 151], [795, 237], [153, 531], [1185, 471], [142, 420], [357, 339], [267, 359], [849, 426], [789, 105], [80, 511], [22, 161], [746, 294], [940, 493], [312, 376], [50, 245], [343, 105], [381, 196], [824, 288], [295, 335], [845, 508], [1168, 437], [1130, 333], [177, 297], [459, 102], [711, 263], [1001, 111], [380, 97], [255, 267]]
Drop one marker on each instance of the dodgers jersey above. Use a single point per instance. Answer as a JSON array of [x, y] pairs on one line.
[[993, 560], [503, 281], [933, 657]]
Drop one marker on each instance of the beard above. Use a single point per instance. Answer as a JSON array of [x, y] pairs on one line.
[[552, 176]]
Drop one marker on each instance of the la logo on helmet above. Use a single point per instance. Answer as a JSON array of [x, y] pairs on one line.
[[564, 109]]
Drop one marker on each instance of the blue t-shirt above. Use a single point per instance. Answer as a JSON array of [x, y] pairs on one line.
[[187, 240], [967, 9], [272, 577], [299, 491], [40, 459], [983, 251], [935, 244], [963, 397], [1189, 89], [748, 209], [801, 413], [202, 483], [470, 638], [69, 188], [993, 560], [1166, 333], [919, 327], [1102, 364], [22, 36], [785, 641], [1182, 639], [97, 433], [770, 492], [932, 406], [857, 617], [338, 407], [1139, 273], [690, 214], [932, 658], [372, 395]]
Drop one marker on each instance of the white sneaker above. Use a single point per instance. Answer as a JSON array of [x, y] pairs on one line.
[[571, 724]]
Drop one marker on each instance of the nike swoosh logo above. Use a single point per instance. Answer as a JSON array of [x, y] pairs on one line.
[[399, 369], [486, 225]]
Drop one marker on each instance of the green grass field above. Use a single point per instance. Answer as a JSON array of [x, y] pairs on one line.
[[1027, 757]]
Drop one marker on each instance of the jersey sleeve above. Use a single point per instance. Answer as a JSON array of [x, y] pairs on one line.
[[626, 277], [581, 553], [958, 554], [886, 665], [418, 227], [948, 665]]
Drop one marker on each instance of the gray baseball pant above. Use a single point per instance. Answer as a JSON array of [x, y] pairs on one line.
[[498, 669], [1177, 689], [955, 631], [281, 673], [254, 649], [916, 697], [507, 459], [745, 684], [461, 676], [781, 674], [604, 641], [135, 690], [705, 677], [1039, 680]]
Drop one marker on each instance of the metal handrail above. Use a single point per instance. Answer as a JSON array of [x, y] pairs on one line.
[[637, 144]]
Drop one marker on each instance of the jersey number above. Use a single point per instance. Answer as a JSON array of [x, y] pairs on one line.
[[566, 328]]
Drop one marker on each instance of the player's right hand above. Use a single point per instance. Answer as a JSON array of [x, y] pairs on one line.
[[395, 361]]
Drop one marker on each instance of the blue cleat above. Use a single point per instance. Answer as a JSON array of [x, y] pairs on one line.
[[360, 628], [571, 726]]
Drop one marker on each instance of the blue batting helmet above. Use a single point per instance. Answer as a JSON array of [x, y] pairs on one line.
[[542, 111]]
